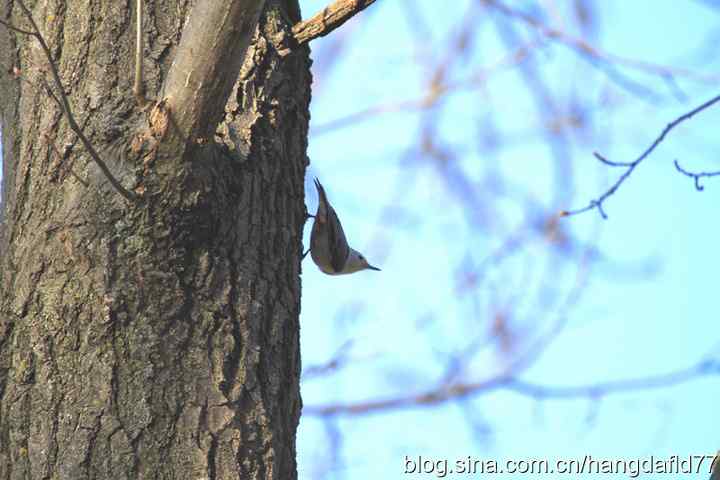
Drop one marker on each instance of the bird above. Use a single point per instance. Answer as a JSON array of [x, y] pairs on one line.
[[328, 246]]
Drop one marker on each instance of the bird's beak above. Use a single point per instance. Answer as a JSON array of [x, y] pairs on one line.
[[374, 268]]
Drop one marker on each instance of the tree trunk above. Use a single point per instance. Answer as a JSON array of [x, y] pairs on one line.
[[153, 339]]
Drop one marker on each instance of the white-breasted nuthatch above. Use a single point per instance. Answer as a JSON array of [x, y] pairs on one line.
[[328, 246]]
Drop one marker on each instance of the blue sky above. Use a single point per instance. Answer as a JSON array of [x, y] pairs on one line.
[[648, 304]]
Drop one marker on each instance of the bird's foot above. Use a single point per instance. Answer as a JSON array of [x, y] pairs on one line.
[[305, 254]]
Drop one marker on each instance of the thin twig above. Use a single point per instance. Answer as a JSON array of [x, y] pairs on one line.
[[609, 163], [702, 368], [631, 166], [65, 103], [338, 360], [435, 91], [15, 29], [138, 87], [696, 176], [328, 19], [61, 157]]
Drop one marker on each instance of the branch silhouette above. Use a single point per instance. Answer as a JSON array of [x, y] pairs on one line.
[[696, 176], [597, 203], [64, 102]]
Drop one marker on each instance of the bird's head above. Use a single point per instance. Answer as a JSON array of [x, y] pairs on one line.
[[356, 262]]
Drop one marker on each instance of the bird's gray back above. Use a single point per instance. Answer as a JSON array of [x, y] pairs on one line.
[[328, 245]]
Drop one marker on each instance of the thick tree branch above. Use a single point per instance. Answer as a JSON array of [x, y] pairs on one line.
[[329, 19], [64, 102], [207, 64], [631, 166]]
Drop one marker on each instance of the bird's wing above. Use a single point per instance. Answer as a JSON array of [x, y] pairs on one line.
[[328, 224], [339, 247]]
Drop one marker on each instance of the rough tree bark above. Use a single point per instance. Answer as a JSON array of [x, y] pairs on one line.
[[160, 338]]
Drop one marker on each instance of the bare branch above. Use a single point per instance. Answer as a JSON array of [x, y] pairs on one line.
[[64, 103], [596, 390], [454, 391], [329, 19], [211, 52], [337, 361], [435, 91], [631, 166], [696, 176], [582, 46]]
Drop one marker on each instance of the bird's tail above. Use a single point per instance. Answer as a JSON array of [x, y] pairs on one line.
[[322, 202]]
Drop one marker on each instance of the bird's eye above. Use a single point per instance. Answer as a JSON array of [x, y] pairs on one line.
[[362, 258]]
